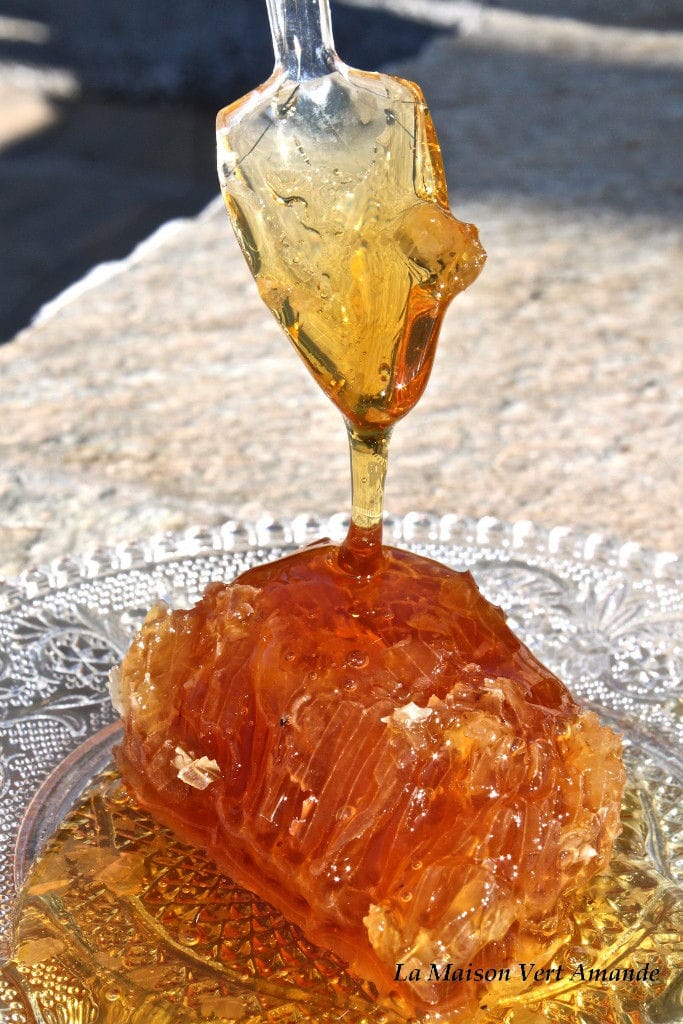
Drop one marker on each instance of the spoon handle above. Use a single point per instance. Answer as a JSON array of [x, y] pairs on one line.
[[302, 37]]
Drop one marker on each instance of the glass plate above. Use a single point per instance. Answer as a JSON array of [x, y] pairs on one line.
[[606, 617]]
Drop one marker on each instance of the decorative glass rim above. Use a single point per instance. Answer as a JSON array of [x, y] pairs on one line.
[[412, 528], [602, 613], [56, 796]]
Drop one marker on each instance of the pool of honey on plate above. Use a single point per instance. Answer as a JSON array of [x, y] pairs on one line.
[[120, 923]]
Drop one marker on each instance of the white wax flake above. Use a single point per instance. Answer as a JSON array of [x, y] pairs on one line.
[[495, 691], [583, 854], [382, 932], [409, 715], [198, 772], [493, 686], [115, 694], [159, 609], [574, 854]]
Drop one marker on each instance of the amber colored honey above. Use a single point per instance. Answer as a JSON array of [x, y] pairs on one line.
[[392, 768], [336, 190], [120, 923]]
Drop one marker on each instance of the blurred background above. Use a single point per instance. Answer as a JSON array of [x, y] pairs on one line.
[[107, 110]]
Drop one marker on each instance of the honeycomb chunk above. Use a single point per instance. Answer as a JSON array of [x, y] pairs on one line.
[[385, 762]]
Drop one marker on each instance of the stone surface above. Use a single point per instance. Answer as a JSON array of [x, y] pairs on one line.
[[166, 396]]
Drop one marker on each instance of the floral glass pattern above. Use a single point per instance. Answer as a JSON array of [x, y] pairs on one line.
[[606, 617]]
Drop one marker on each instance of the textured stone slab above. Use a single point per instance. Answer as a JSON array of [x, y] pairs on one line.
[[166, 395]]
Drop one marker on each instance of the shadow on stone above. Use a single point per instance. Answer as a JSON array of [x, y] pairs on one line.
[[654, 14], [207, 51], [136, 148], [569, 132], [90, 187]]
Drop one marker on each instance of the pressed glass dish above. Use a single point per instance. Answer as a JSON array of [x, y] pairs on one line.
[[605, 616]]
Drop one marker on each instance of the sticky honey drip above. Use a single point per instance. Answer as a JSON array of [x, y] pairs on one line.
[[336, 190]]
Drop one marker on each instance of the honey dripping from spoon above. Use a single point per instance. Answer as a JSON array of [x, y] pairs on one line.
[[335, 186]]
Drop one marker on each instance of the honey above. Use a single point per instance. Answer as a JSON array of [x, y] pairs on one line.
[[121, 923], [335, 187], [381, 759], [337, 193]]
